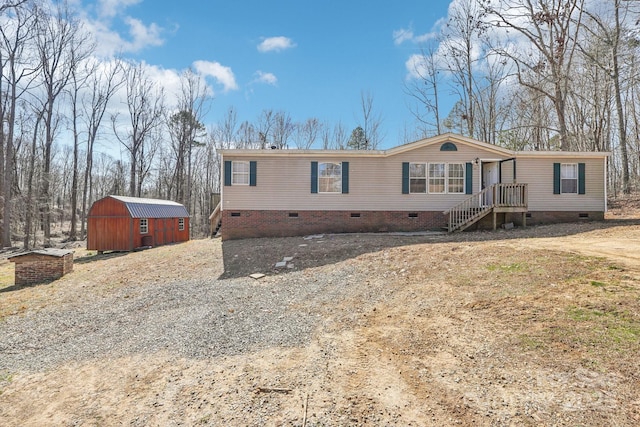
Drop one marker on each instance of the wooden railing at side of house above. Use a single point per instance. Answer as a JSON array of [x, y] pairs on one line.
[[467, 211], [480, 204], [215, 218], [510, 195]]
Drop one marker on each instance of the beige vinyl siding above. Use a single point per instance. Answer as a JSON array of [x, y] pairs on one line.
[[375, 183], [538, 174]]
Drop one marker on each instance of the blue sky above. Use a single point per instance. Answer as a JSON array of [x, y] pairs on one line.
[[307, 58]]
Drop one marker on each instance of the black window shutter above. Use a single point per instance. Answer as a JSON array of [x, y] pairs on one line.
[[581, 178], [405, 177], [227, 172], [345, 177], [314, 177], [468, 179], [253, 166], [556, 178]]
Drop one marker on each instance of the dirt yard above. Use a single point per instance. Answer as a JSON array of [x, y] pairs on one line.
[[536, 326]]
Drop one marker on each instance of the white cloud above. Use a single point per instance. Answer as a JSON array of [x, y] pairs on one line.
[[222, 74], [267, 78], [416, 66], [276, 44], [402, 35], [111, 8], [143, 35], [407, 35], [109, 42], [105, 21]]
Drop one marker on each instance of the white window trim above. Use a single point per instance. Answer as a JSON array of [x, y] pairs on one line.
[[234, 173], [339, 191], [577, 179], [426, 178], [180, 224], [146, 226], [446, 177], [463, 178]]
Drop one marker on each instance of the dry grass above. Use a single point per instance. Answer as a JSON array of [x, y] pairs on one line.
[[514, 331]]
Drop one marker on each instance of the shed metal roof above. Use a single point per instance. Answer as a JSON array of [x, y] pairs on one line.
[[152, 208]]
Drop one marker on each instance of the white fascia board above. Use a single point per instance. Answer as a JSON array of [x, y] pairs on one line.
[[563, 154]]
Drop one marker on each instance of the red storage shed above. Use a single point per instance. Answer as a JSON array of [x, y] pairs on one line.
[[119, 223]]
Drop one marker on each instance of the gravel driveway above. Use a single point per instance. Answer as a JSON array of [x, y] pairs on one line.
[[476, 329], [194, 319]]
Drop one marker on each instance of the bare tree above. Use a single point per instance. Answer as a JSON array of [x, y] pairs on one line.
[[226, 132], [103, 84], [29, 202], [611, 33], [80, 80], [60, 46], [462, 41], [16, 75], [145, 106], [306, 133], [186, 131], [265, 127], [248, 137], [423, 87], [551, 27], [282, 130], [11, 4], [340, 137], [371, 123]]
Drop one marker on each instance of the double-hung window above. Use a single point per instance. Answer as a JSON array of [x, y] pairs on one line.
[[437, 177], [455, 175], [329, 177], [239, 173], [569, 178], [446, 178], [144, 225], [180, 224], [417, 178]]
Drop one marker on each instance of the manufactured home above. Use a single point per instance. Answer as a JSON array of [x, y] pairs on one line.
[[447, 181]]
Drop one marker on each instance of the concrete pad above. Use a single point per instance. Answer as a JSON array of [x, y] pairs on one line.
[[313, 236]]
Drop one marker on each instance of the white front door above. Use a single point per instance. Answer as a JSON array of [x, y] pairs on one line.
[[490, 176]]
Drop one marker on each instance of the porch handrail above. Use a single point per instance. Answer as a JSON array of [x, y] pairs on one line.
[[215, 217], [469, 209], [477, 205], [510, 195]]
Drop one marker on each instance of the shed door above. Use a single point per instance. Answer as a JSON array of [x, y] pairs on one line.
[[159, 232]]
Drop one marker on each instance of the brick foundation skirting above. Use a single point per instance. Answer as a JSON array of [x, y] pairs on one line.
[[240, 224], [538, 218], [245, 224]]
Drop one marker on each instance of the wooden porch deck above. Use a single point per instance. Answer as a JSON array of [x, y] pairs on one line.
[[498, 198]]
